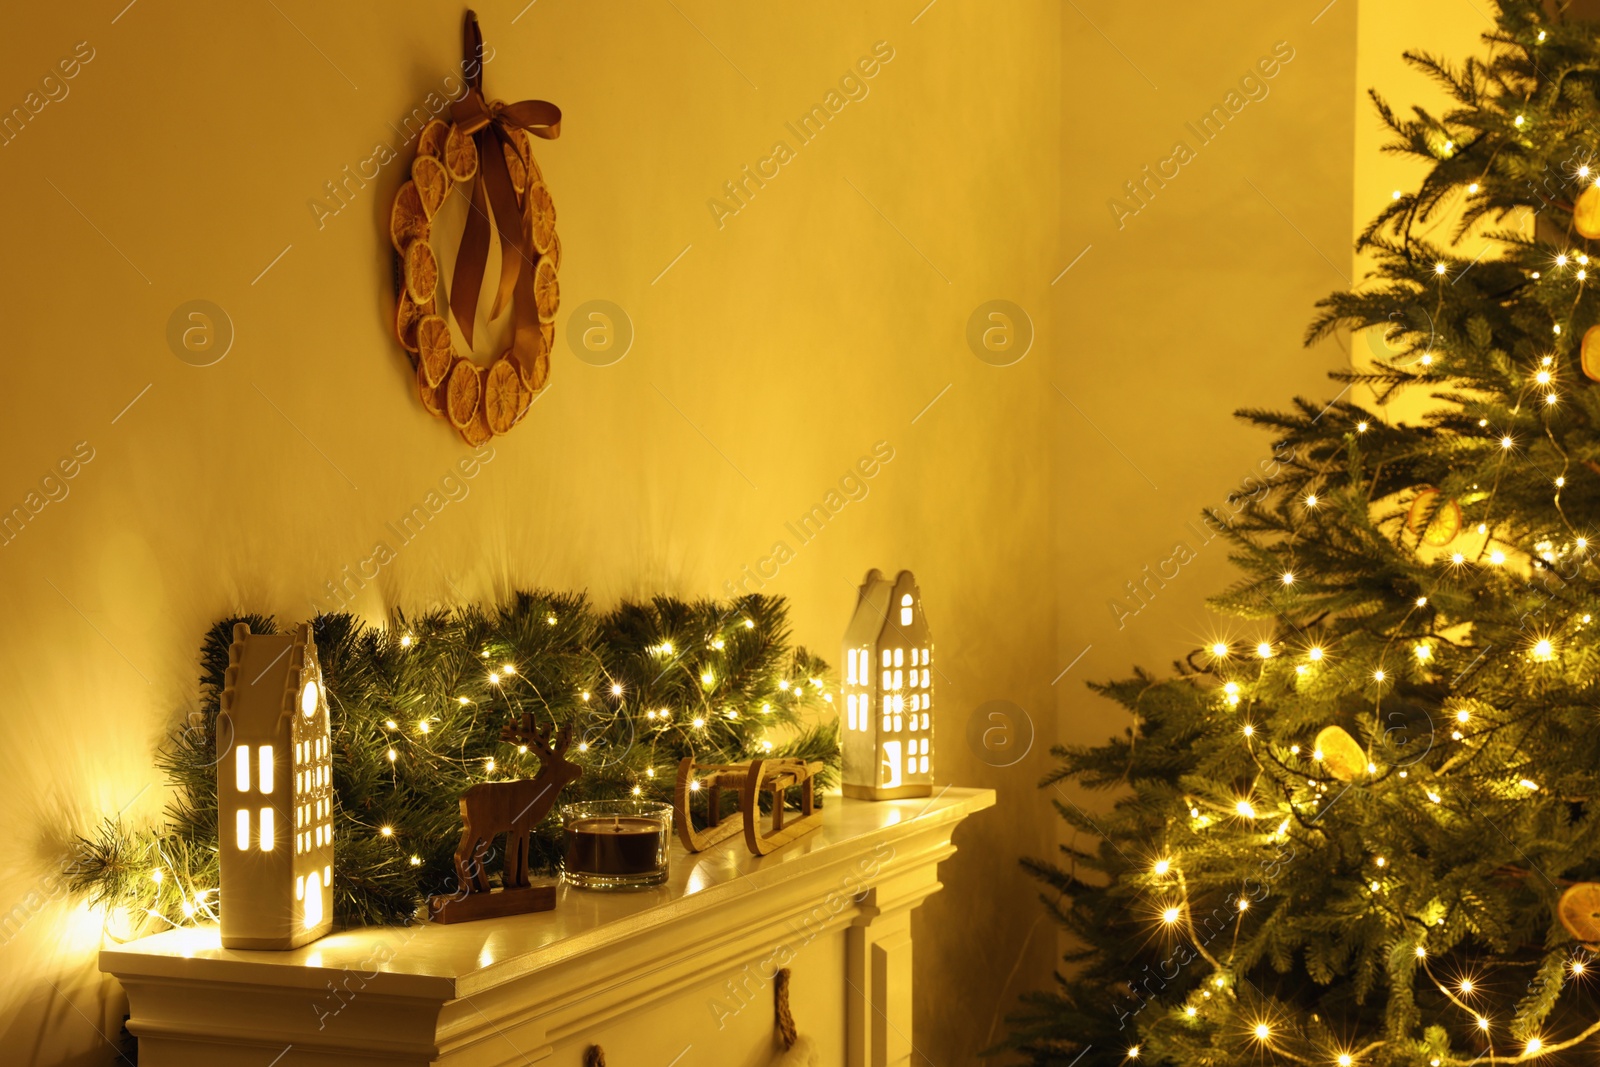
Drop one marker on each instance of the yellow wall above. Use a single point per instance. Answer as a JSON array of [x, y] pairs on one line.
[[822, 318], [1193, 308]]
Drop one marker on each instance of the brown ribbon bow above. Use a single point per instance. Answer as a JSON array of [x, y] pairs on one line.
[[490, 126]]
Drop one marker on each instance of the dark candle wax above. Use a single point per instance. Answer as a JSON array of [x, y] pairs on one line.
[[618, 845]]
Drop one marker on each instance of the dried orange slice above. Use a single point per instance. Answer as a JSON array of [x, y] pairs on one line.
[[1586, 212], [1343, 757], [433, 344], [501, 394], [433, 184], [519, 172], [463, 389], [527, 360], [422, 273], [1444, 525], [546, 289], [460, 155], [430, 142], [406, 317], [407, 219], [524, 400], [1579, 911], [555, 249], [432, 395], [540, 215], [1589, 352], [477, 430], [539, 374], [547, 331]]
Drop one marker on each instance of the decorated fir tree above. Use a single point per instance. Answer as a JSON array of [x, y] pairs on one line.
[[1363, 827]]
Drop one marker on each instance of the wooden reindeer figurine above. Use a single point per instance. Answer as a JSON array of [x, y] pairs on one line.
[[489, 809]]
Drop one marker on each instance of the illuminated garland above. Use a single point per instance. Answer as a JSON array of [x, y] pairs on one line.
[[416, 713]]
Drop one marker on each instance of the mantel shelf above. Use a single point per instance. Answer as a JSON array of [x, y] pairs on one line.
[[863, 849]]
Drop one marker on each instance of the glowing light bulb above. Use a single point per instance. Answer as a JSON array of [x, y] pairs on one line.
[[637, 790], [1422, 601], [1219, 650], [1463, 715], [1262, 1031], [462, 700], [1543, 649], [1244, 904], [391, 724], [1170, 916], [1497, 557], [1552, 398], [1316, 754], [1561, 480], [749, 624], [1457, 558], [1378, 675], [405, 641], [550, 620], [585, 696], [1314, 653], [616, 690], [393, 755], [1249, 731], [1232, 689], [1483, 1024], [1466, 985], [1518, 121], [1245, 808], [1190, 1011], [1472, 188], [1543, 377], [488, 765], [1528, 784], [1345, 1060], [1361, 427], [1542, 36], [1162, 866], [1311, 500], [1288, 578], [706, 678], [1577, 966], [694, 787], [1396, 194], [1424, 653], [157, 876], [718, 644], [1381, 862], [1440, 268], [1133, 1053], [1433, 796], [416, 861], [583, 746], [386, 831], [1294, 750], [1534, 1045], [1561, 260], [1582, 543], [1506, 442], [649, 772], [494, 678], [1422, 953], [1264, 650], [698, 722]]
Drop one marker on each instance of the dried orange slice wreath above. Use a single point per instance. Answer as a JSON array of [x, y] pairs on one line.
[[479, 402]]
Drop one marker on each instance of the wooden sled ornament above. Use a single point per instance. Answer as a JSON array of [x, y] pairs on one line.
[[719, 827], [514, 809], [774, 776], [751, 780]]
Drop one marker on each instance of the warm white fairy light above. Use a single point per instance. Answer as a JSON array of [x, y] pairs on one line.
[[1378, 675], [424, 726], [1497, 557], [1517, 122], [1561, 480], [1244, 903], [1161, 867], [1506, 442], [1440, 268], [550, 620], [616, 690], [1219, 650], [1264, 650], [1170, 916], [1457, 558], [1245, 808], [1288, 578], [1528, 784], [1552, 398], [1543, 649], [1316, 754], [1472, 188], [494, 678], [1361, 427], [699, 722], [1262, 1031], [1345, 1059], [391, 724], [1543, 377], [1435, 797], [1381, 862], [488, 765], [1232, 689], [706, 678], [1424, 653], [1577, 967], [416, 861], [157, 876], [1561, 259], [463, 701], [1311, 500], [1191, 1011], [393, 755], [1396, 194], [405, 641], [1421, 952], [386, 831], [1535, 1045], [1249, 731]]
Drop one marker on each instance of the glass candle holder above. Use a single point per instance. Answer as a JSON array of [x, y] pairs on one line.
[[616, 844]]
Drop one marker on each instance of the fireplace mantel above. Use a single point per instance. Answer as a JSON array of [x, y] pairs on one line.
[[684, 970]]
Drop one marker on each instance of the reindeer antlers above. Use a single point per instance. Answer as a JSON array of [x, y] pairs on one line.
[[525, 732]]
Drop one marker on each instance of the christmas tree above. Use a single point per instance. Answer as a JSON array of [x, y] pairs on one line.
[[1363, 826], [416, 709]]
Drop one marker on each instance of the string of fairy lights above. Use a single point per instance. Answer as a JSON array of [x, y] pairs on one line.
[[619, 729], [1465, 988]]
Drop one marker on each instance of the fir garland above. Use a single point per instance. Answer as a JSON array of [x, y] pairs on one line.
[[417, 707]]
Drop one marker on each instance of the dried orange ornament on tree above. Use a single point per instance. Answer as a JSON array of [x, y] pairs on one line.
[[487, 146]]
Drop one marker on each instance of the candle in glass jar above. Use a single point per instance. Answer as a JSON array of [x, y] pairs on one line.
[[616, 845]]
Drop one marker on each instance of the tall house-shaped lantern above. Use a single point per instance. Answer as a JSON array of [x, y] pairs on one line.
[[274, 793], [888, 727]]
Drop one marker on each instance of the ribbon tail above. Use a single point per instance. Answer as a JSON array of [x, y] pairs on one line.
[[525, 340], [471, 260], [514, 257]]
